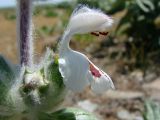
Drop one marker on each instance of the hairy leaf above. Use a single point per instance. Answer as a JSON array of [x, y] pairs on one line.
[[68, 114], [7, 76], [6, 71]]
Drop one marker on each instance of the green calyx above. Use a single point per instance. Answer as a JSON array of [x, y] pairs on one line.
[[43, 89]]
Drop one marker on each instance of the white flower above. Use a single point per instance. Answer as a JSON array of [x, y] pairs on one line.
[[76, 69]]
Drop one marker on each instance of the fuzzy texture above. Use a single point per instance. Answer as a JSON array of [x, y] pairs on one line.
[[84, 20], [24, 31], [14, 94]]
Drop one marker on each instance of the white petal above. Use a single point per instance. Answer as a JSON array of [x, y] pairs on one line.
[[80, 9], [74, 67], [85, 20], [101, 83], [63, 68]]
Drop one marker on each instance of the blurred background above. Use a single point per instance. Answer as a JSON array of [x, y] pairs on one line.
[[130, 54]]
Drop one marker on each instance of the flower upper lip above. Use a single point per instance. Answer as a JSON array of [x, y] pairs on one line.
[[88, 20]]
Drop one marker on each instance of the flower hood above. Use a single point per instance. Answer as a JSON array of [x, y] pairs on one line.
[[85, 20]]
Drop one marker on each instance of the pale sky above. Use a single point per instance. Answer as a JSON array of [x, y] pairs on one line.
[[12, 3]]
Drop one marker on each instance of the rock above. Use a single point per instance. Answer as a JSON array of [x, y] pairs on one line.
[[155, 85], [155, 96], [150, 76], [87, 105], [153, 89], [137, 75], [125, 115], [124, 95]]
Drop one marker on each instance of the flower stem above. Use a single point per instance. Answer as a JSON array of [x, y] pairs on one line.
[[24, 32]]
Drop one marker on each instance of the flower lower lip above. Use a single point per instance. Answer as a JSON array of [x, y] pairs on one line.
[[95, 72]]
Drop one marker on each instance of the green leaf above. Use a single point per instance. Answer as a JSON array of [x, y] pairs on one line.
[[68, 114], [6, 78], [152, 111], [145, 5], [6, 71]]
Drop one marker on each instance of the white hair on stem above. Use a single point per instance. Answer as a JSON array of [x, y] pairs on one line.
[[24, 31]]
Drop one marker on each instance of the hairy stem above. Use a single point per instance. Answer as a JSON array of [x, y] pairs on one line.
[[24, 31]]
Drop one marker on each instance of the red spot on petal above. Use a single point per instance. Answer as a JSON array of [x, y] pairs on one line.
[[94, 33], [95, 72]]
